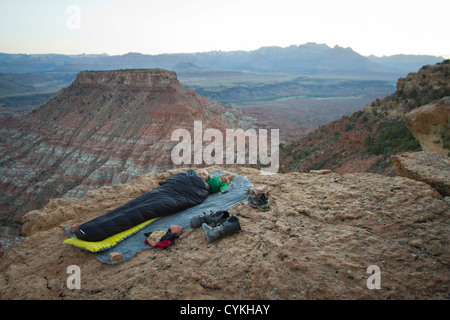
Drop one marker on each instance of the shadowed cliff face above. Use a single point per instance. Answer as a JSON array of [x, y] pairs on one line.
[[107, 127], [322, 233]]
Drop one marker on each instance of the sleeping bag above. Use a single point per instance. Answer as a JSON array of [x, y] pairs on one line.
[[178, 192]]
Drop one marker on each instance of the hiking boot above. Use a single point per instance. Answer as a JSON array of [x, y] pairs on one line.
[[229, 226], [213, 218], [259, 201]]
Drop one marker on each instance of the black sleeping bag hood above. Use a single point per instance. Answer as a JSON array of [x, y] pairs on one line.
[[178, 192]]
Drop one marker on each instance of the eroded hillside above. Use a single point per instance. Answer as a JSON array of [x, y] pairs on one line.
[[365, 141]]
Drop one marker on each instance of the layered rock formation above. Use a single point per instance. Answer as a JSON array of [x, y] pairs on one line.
[[107, 127], [322, 233]]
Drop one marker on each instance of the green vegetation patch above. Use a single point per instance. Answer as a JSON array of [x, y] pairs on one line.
[[394, 137]]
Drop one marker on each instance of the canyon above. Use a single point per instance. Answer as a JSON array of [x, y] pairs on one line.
[[370, 189], [107, 127]]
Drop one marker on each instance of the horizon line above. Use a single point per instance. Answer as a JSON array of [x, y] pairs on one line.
[[444, 56]]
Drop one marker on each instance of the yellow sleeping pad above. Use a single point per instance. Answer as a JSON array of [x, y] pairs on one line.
[[108, 242]]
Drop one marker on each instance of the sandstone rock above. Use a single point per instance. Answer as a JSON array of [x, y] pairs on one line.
[[429, 167], [427, 123], [115, 256], [316, 242], [176, 229], [155, 237]]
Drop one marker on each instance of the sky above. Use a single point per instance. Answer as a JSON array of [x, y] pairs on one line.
[[117, 27]]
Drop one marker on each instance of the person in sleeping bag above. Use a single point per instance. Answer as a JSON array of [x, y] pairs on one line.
[[178, 192], [216, 184]]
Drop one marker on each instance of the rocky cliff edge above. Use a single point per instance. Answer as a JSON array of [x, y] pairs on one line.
[[321, 234]]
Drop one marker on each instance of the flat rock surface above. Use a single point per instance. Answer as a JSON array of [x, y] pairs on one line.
[[321, 234], [430, 167]]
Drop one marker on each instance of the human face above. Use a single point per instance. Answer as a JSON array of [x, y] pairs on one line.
[[204, 175]]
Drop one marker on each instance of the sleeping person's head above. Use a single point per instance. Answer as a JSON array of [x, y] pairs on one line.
[[204, 175]]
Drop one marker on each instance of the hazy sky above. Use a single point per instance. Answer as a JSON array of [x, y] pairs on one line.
[[172, 26]]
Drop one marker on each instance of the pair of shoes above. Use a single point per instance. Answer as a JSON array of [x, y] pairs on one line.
[[216, 224], [228, 227], [212, 218], [259, 201]]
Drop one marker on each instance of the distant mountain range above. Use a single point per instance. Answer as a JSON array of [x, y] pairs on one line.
[[308, 58]]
